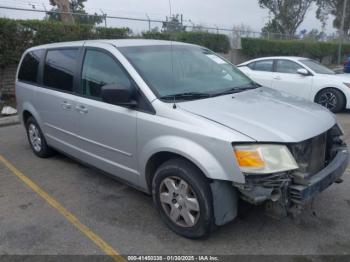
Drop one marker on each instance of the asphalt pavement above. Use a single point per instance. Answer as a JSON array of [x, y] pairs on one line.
[[125, 220]]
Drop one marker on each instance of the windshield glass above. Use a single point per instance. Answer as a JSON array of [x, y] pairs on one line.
[[182, 69], [317, 67]]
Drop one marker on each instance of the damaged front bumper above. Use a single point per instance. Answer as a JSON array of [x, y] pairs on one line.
[[331, 173], [283, 188]]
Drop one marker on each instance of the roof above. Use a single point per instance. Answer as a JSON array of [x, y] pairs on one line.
[[295, 58], [140, 42], [115, 42]]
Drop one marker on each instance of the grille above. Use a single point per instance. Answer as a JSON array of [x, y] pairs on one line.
[[311, 155]]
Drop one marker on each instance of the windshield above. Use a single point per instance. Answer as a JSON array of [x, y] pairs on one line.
[[187, 70], [317, 67]]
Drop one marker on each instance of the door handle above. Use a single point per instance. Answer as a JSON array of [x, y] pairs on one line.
[[277, 78], [65, 105], [81, 109]]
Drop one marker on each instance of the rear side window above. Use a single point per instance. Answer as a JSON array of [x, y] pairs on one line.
[[60, 66], [264, 65], [29, 69]]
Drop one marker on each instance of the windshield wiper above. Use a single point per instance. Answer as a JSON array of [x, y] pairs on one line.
[[238, 89], [185, 96]]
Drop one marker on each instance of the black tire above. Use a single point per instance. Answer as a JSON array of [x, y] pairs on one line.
[[200, 188], [332, 99], [45, 151]]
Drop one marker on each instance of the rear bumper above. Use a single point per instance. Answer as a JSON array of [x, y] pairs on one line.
[[303, 193]]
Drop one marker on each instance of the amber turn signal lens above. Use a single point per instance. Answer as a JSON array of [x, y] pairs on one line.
[[249, 159]]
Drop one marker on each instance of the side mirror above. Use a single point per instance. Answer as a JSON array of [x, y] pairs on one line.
[[117, 95], [303, 72]]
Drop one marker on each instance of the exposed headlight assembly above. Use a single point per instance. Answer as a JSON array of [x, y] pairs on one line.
[[347, 84], [264, 159]]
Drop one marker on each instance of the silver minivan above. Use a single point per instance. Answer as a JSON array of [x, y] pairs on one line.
[[179, 122]]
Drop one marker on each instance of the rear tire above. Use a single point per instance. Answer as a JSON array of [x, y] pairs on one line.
[[37, 140], [182, 196], [332, 99]]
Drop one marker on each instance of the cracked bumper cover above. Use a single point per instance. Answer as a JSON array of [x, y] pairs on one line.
[[303, 193]]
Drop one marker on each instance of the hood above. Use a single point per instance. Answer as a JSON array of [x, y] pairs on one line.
[[265, 115]]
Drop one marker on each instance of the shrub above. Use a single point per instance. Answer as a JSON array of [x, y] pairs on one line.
[[216, 42], [18, 35], [253, 48]]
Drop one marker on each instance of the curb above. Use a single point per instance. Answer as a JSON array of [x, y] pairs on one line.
[[9, 120]]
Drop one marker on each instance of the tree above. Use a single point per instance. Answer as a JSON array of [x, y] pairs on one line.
[[74, 6], [273, 29], [314, 35], [62, 6], [335, 8], [288, 14], [174, 24]]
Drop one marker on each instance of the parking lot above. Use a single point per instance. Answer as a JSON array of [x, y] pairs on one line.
[[94, 214]]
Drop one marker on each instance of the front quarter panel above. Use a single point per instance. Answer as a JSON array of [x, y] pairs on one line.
[[201, 141]]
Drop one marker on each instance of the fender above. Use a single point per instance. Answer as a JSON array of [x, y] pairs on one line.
[[197, 154]]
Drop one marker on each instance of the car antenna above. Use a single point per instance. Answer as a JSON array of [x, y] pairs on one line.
[[172, 56]]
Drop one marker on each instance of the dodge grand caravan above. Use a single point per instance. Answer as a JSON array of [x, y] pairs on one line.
[[178, 122]]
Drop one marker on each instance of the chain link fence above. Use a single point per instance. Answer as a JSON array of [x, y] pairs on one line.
[[139, 24]]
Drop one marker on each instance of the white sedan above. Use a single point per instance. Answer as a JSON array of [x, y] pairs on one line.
[[302, 77]]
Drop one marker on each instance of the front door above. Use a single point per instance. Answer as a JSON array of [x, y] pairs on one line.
[[107, 132], [287, 79]]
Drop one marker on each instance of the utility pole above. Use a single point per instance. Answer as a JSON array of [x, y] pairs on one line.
[[342, 33], [149, 23]]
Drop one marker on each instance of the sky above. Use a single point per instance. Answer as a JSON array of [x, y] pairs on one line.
[[218, 13]]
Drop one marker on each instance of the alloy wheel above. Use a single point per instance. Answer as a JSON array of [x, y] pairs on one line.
[[328, 100]]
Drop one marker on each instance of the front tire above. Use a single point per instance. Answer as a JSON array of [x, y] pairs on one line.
[[182, 196], [332, 99], [37, 140]]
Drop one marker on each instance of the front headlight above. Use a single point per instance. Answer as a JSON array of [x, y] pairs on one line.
[[347, 84], [264, 159]]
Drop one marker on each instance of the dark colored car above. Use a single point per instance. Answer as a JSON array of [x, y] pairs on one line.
[[347, 65]]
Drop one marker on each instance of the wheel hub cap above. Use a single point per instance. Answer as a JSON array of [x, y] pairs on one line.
[[34, 137], [179, 201]]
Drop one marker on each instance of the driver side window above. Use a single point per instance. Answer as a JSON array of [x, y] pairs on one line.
[[287, 67], [101, 69]]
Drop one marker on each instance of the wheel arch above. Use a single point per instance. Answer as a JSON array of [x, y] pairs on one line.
[[214, 164], [224, 195], [331, 87], [157, 159], [25, 115], [29, 110]]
